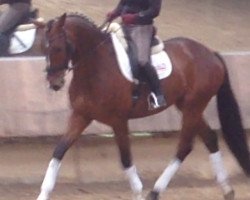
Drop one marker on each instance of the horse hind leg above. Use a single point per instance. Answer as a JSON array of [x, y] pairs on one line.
[[77, 124], [190, 127], [122, 139], [210, 139]]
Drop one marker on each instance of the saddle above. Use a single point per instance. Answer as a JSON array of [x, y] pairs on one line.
[[156, 44], [159, 58], [16, 36]]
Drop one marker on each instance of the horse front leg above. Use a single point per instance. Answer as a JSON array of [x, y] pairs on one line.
[[123, 142], [77, 123]]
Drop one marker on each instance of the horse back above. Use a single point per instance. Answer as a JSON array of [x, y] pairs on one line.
[[197, 71]]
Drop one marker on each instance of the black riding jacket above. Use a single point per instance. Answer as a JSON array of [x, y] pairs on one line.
[[146, 9]]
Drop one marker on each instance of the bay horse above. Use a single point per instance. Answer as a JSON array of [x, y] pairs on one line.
[[98, 91]]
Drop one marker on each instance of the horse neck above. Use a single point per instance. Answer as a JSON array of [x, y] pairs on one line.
[[89, 44], [92, 59], [84, 38], [94, 66]]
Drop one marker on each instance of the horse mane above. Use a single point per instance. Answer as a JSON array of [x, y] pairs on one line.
[[88, 21]]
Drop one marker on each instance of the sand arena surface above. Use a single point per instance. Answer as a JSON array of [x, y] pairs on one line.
[[91, 170], [222, 25]]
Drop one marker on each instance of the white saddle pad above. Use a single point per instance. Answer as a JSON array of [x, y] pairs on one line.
[[160, 61], [22, 41]]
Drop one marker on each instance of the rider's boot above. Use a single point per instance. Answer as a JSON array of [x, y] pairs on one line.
[[156, 98]]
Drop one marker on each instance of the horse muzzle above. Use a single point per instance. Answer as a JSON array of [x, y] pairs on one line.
[[55, 87], [56, 83]]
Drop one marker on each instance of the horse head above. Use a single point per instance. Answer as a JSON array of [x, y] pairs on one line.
[[72, 38], [58, 52]]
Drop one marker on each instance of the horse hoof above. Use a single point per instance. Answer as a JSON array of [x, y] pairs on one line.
[[137, 197], [42, 197], [153, 196], [39, 198], [230, 195]]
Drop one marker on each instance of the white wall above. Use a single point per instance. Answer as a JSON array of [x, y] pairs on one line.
[[29, 108]]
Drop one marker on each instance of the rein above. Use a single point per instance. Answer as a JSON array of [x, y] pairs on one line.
[[94, 49], [64, 66]]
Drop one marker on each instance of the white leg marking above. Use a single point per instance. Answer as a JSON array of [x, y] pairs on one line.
[[135, 183], [220, 172], [49, 179], [163, 181]]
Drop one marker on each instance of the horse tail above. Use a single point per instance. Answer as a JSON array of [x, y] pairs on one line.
[[231, 124]]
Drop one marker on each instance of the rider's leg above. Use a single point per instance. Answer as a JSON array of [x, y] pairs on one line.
[[13, 16], [143, 38], [140, 37], [132, 54], [8, 20]]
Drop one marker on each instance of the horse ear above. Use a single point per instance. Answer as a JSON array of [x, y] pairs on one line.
[[61, 20]]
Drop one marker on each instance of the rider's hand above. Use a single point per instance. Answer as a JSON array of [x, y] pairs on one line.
[[111, 16], [129, 18]]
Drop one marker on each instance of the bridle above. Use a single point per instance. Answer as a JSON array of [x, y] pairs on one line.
[[69, 52]]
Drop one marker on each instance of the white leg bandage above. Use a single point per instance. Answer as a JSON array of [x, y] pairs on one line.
[[163, 181], [220, 172], [135, 183], [134, 180], [49, 179]]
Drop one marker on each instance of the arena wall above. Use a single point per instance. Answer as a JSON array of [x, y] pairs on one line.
[[29, 108]]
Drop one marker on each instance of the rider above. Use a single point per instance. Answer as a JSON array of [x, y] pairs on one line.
[[138, 17], [17, 11]]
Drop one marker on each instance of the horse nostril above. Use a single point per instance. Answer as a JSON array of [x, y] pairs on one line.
[[55, 87]]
